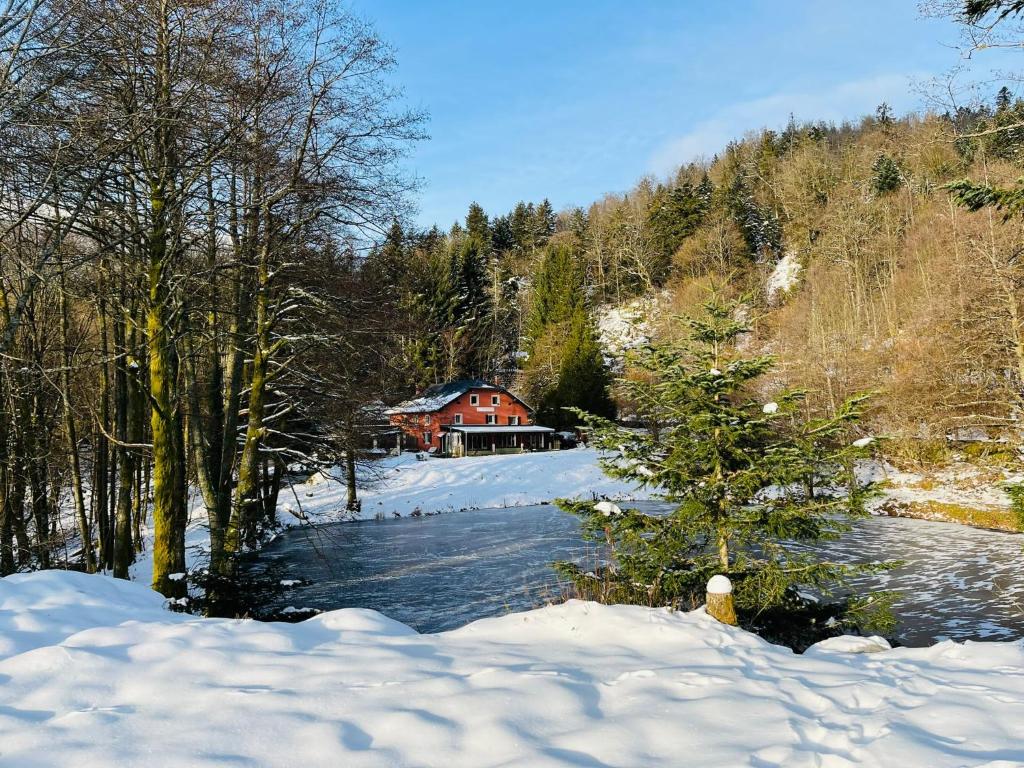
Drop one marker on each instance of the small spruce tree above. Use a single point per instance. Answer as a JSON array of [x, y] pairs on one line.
[[750, 484], [886, 175]]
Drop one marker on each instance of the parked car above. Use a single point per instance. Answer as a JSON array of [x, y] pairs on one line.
[[568, 439]]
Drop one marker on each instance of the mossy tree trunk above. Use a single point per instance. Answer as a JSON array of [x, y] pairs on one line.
[[169, 499]]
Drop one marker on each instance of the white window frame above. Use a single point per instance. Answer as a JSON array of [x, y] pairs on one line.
[[495, 399], [428, 437], [513, 421], [474, 399], [492, 419], [457, 419]]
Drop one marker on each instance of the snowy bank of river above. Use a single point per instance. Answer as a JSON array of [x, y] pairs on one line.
[[402, 486], [94, 672]]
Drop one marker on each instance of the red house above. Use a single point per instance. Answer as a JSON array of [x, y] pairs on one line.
[[467, 417]]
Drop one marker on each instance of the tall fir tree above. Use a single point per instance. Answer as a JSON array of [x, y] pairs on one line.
[[478, 227], [750, 485], [566, 368], [583, 378], [557, 290], [674, 215]]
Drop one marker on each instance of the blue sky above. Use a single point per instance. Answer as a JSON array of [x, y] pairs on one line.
[[569, 100]]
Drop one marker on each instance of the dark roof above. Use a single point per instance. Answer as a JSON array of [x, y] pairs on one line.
[[437, 396], [457, 387]]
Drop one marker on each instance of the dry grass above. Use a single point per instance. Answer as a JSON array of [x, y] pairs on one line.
[[991, 518]]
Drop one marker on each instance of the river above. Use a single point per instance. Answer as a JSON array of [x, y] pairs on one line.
[[441, 572]]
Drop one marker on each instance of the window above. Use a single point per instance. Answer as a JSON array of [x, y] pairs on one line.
[[474, 399], [495, 400], [427, 437], [492, 418], [513, 421], [458, 418]]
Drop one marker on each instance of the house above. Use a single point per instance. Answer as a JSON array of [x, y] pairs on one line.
[[469, 416]]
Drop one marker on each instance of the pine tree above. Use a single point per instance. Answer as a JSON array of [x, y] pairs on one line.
[[1003, 99], [478, 227], [886, 175], [472, 305], [583, 379], [751, 485], [521, 222], [673, 216], [542, 226], [761, 228], [388, 262], [557, 290], [502, 238]]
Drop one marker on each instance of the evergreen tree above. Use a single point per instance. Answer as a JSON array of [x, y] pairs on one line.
[[886, 175], [883, 114], [1003, 99], [673, 216], [521, 225], [478, 227], [472, 306], [736, 472], [502, 238], [388, 263], [583, 378], [560, 328], [761, 228], [557, 290], [542, 226]]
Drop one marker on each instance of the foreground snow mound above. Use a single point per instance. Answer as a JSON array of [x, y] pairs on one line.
[[577, 684]]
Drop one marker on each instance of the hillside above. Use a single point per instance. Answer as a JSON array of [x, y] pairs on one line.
[[860, 272]]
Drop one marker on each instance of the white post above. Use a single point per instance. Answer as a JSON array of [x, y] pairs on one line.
[[719, 600]]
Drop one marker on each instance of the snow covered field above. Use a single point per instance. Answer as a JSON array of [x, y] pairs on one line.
[[402, 485], [94, 672]]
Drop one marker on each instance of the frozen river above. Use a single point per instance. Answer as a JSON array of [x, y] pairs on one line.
[[441, 572]]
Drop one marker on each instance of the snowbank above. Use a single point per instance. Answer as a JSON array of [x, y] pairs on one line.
[[577, 684], [784, 277], [402, 485]]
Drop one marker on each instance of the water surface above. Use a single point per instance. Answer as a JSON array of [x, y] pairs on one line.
[[441, 572]]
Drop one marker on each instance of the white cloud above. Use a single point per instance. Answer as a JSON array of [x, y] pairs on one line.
[[848, 100]]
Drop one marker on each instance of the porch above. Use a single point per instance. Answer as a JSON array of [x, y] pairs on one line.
[[459, 440]]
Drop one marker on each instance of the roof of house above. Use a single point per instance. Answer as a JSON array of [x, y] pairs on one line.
[[493, 428], [437, 396]]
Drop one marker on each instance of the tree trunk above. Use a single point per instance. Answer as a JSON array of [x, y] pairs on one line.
[[81, 515]]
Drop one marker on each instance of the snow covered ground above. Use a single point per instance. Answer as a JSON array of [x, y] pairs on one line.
[[95, 672], [402, 485]]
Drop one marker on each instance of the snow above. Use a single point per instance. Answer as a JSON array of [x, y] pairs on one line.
[[850, 644], [719, 585], [401, 485], [770, 408], [960, 484], [607, 508], [626, 327], [784, 277], [94, 673], [863, 442]]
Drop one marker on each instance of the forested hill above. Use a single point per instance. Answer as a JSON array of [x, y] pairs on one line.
[[861, 271]]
